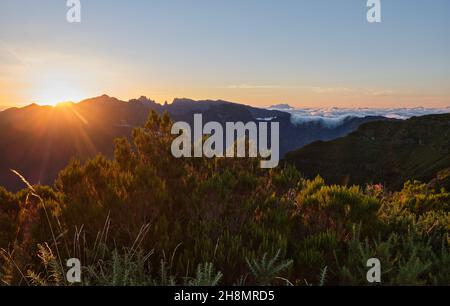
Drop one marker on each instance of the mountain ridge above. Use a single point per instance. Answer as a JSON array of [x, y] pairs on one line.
[[39, 141], [389, 152]]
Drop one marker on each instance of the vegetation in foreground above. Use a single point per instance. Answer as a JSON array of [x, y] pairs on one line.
[[146, 218]]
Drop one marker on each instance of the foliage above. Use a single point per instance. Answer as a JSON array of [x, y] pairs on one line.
[[266, 271], [123, 216], [389, 152], [206, 276]]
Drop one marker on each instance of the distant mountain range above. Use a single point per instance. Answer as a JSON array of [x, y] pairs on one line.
[[388, 152], [281, 107], [39, 141]]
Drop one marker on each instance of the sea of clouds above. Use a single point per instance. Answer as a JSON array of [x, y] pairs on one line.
[[334, 116]]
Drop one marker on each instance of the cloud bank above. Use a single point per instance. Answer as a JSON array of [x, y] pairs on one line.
[[334, 117]]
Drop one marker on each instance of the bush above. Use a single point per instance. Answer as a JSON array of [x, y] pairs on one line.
[[146, 218]]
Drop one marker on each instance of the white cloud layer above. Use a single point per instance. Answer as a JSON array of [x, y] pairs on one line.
[[334, 116]]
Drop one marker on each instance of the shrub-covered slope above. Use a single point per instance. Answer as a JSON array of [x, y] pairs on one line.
[[146, 218], [387, 152]]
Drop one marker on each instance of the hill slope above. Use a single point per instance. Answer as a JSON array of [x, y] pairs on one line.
[[388, 152]]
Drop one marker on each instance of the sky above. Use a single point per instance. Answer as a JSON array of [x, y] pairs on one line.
[[308, 53]]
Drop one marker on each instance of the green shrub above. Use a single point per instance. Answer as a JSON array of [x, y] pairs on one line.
[[217, 213]]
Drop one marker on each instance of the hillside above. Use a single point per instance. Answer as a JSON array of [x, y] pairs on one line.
[[39, 141], [223, 221], [387, 152]]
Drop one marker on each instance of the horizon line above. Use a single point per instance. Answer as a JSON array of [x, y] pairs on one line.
[[273, 106]]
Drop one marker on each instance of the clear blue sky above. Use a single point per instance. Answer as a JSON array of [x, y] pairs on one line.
[[261, 52]]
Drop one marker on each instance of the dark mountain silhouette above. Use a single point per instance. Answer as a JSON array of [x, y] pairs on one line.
[[388, 152], [38, 141]]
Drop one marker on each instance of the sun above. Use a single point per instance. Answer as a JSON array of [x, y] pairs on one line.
[[54, 89], [57, 94]]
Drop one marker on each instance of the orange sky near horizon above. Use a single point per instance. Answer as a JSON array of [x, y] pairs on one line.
[[47, 78], [34, 80], [260, 95]]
